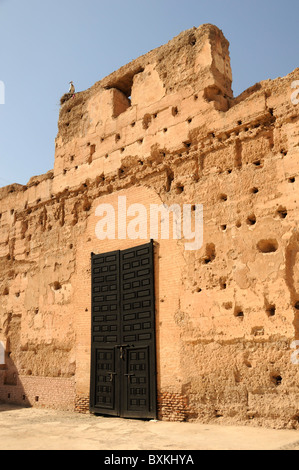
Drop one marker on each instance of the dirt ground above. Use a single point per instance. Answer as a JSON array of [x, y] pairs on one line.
[[39, 429]]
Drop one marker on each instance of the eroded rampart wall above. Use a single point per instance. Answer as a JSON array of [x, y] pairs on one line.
[[165, 129]]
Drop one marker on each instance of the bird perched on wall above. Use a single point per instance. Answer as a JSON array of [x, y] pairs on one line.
[[72, 88]]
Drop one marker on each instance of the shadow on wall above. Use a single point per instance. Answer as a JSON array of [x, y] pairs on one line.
[[11, 388], [292, 276]]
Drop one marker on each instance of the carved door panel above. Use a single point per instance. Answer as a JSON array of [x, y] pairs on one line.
[[123, 362]]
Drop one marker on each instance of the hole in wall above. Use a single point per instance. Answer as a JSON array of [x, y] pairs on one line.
[[210, 253], [223, 197], [169, 180], [251, 220], [125, 82], [276, 379], [175, 111], [282, 212], [92, 149], [271, 310], [147, 119], [257, 163], [238, 313], [292, 179], [267, 246], [192, 40], [179, 189], [254, 191]]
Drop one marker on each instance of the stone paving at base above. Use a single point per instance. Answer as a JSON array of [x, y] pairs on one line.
[[40, 429]]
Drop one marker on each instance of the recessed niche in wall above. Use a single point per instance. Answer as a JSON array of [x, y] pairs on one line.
[[267, 246]]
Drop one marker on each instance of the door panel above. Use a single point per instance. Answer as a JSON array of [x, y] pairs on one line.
[[123, 365], [106, 384], [137, 384]]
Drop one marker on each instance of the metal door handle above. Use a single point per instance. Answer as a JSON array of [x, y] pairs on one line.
[[129, 377], [111, 376], [122, 352], [122, 348]]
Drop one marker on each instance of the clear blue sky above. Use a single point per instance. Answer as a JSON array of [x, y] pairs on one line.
[[45, 44]]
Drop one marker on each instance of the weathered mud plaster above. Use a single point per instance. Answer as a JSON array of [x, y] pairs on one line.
[[165, 129]]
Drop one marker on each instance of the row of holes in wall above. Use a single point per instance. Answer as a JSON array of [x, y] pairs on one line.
[[187, 145], [175, 111], [146, 122], [36, 399], [222, 197], [251, 219]]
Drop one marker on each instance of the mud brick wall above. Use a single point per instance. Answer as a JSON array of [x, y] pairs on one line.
[[42, 392], [165, 129]]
